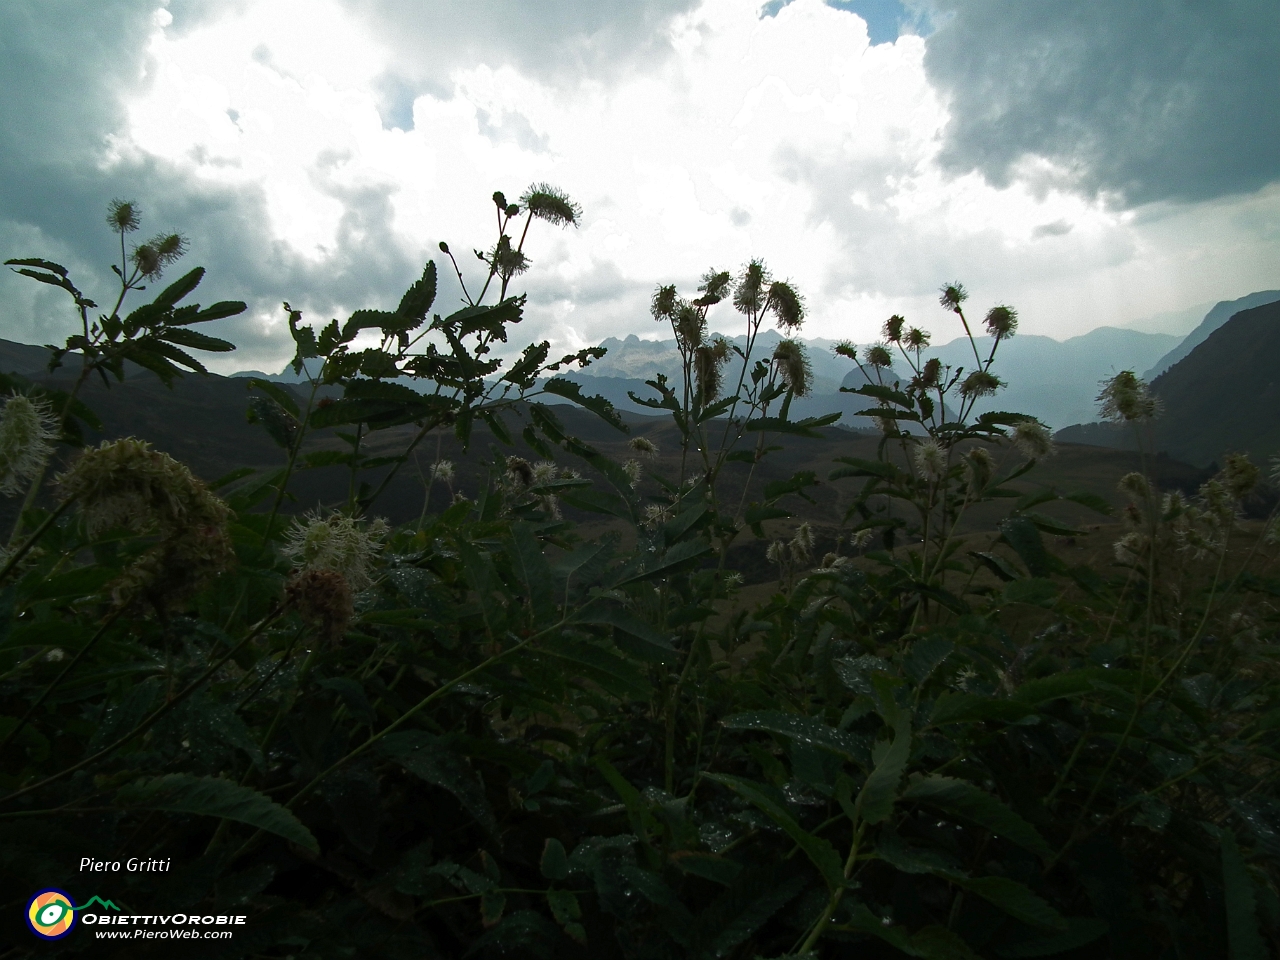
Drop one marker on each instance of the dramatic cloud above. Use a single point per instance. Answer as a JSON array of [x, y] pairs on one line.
[[1145, 99], [318, 150]]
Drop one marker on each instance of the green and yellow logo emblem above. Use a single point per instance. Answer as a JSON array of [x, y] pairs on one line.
[[50, 914]]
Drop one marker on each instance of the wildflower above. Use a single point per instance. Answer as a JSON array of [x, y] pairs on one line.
[[952, 296], [544, 472], [335, 544], [28, 430], [793, 366], [443, 471], [965, 677], [878, 356], [802, 542], [748, 298], [506, 260], [123, 216], [774, 554], [1240, 475], [1002, 322], [931, 461], [643, 446], [663, 304], [980, 384], [788, 306], [830, 559], [1125, 397], [322, 599], [978, 468], [893, 328], [55, 655], [551, 204], [1219, 501], [732, 579], [632, 469], [1033, 440]]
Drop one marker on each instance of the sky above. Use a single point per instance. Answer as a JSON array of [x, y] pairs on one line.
[[1090, 163]]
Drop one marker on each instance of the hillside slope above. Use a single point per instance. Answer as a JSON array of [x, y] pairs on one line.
[[1223, 311]]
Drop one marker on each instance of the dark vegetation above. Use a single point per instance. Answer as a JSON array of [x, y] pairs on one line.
[[723, 682]]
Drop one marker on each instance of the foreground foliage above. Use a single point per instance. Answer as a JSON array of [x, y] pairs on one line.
[[483, 734]]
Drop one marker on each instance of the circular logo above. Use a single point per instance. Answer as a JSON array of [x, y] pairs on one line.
[[50, 914]]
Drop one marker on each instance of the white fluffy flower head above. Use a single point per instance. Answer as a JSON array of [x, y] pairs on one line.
[[336, 543], [28, 430]]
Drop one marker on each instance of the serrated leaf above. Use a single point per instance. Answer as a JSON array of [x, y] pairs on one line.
[[1243, 937], [808, 730], [963, 799], [429, 758], [875, 800], [555, 862], [1015, 899], [819, 851], [215, 797]]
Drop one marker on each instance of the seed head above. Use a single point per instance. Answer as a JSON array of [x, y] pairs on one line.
[[916, 339], [1136, 487], [1002, 322], [442, 471], [978, 468], [1240, 475], [336, 544], [878, 356], [323, 599], [860, 538], [1130, 548], [847, 349], [980, 384], [519, 471], [690, 326], [1033, 440], [787, 305], [663, 304], [930, 374], [706, 371], [633, 471], [952, 296], [123, 216], [551, 204], [802, 542], [793, 366], [28, 431], [544, 472], [1125, 397], [157, 253], [931, 461], [643, 446], [714, 287], [893, 328], [749, 297], [776, 552]]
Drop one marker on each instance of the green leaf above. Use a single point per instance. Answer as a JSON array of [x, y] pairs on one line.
[[555, 862], [601, 407], [683, 553], [1080, 931], [875, 800], [808, 730], [277, 393], [216, 311], [1024, 536], [819, 851], [1033, 591], [196, 340], [808, 427], [795, 484], [642, 821], [641, 639], [179, 288], [1243, 937], [418, 299], [1014, 899], [532, 569], [215, 797], [963, 799], [429, 758]]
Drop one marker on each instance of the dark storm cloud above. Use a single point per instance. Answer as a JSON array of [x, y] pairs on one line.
[[65, 69], [553, 40], [1149, 99]]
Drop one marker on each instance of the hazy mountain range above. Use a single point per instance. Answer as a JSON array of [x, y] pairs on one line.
[[1222, 397]]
